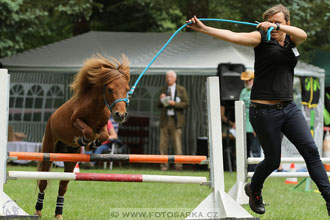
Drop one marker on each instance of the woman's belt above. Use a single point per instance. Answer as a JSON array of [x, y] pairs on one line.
[[280, 105]]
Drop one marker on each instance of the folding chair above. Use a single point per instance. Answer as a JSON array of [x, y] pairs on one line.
[[116, 147]]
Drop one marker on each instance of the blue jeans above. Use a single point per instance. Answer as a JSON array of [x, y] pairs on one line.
[[100, 149], [268, 123], [103, 148]]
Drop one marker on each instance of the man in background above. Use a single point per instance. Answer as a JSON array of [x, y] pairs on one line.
[[173, 101], [252, 141]]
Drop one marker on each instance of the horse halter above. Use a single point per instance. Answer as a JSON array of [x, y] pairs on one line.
[[116, 101]]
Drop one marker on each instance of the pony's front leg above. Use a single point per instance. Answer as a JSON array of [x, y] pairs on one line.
[[86, 131], [101, 136], [68, 167]]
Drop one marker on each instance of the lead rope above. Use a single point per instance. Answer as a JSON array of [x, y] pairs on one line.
[[130, 93]]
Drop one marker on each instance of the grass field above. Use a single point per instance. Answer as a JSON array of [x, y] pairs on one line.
[[104, 200]]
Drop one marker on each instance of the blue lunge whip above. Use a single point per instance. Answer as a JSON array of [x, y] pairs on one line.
[[130, 93]]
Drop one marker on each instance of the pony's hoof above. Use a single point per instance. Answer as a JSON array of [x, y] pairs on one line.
[[59, 217], [38, 213], [80, 141]]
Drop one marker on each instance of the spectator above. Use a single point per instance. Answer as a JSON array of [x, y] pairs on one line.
[[228, 121], [172, 101], [228, 133], [252, 142]]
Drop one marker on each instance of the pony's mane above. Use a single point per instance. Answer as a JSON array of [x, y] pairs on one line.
[[98, 71]]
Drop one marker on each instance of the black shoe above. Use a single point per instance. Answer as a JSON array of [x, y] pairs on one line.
[[328, 208], [255, 200]]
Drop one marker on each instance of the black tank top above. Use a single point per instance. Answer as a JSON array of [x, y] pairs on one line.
[[274, 69]]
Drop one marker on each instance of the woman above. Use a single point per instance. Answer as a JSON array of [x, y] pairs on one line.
[[272, 110]]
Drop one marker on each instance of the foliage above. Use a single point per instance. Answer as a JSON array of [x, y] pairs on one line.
[[314, 18], [18, 20], [138, 16], [27, 24]]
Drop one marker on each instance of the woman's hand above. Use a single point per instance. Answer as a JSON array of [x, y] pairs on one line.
[[196, 25], [266, 25]]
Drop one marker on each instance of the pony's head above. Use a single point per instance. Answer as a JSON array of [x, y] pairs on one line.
[[110, 79]]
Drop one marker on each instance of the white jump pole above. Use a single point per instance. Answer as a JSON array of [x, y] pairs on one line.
[[4, 93], [237, 191], [256, 160], [286, 174], [218, 202], [7, 206]]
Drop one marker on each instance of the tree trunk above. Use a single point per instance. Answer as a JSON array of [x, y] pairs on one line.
[[80, 26], [200, 8]]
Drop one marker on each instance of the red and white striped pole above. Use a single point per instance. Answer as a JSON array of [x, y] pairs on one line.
[[106, 177]]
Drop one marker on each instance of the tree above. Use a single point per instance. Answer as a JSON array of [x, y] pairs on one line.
[[314, 18], [27, 24], [16, 22], [138, 16]]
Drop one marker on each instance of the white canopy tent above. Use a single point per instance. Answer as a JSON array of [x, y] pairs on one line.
[[188, 53]]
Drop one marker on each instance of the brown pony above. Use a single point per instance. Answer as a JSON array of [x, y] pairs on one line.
[[82, 120]]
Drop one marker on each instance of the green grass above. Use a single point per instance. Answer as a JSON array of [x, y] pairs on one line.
[[99, 200]]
